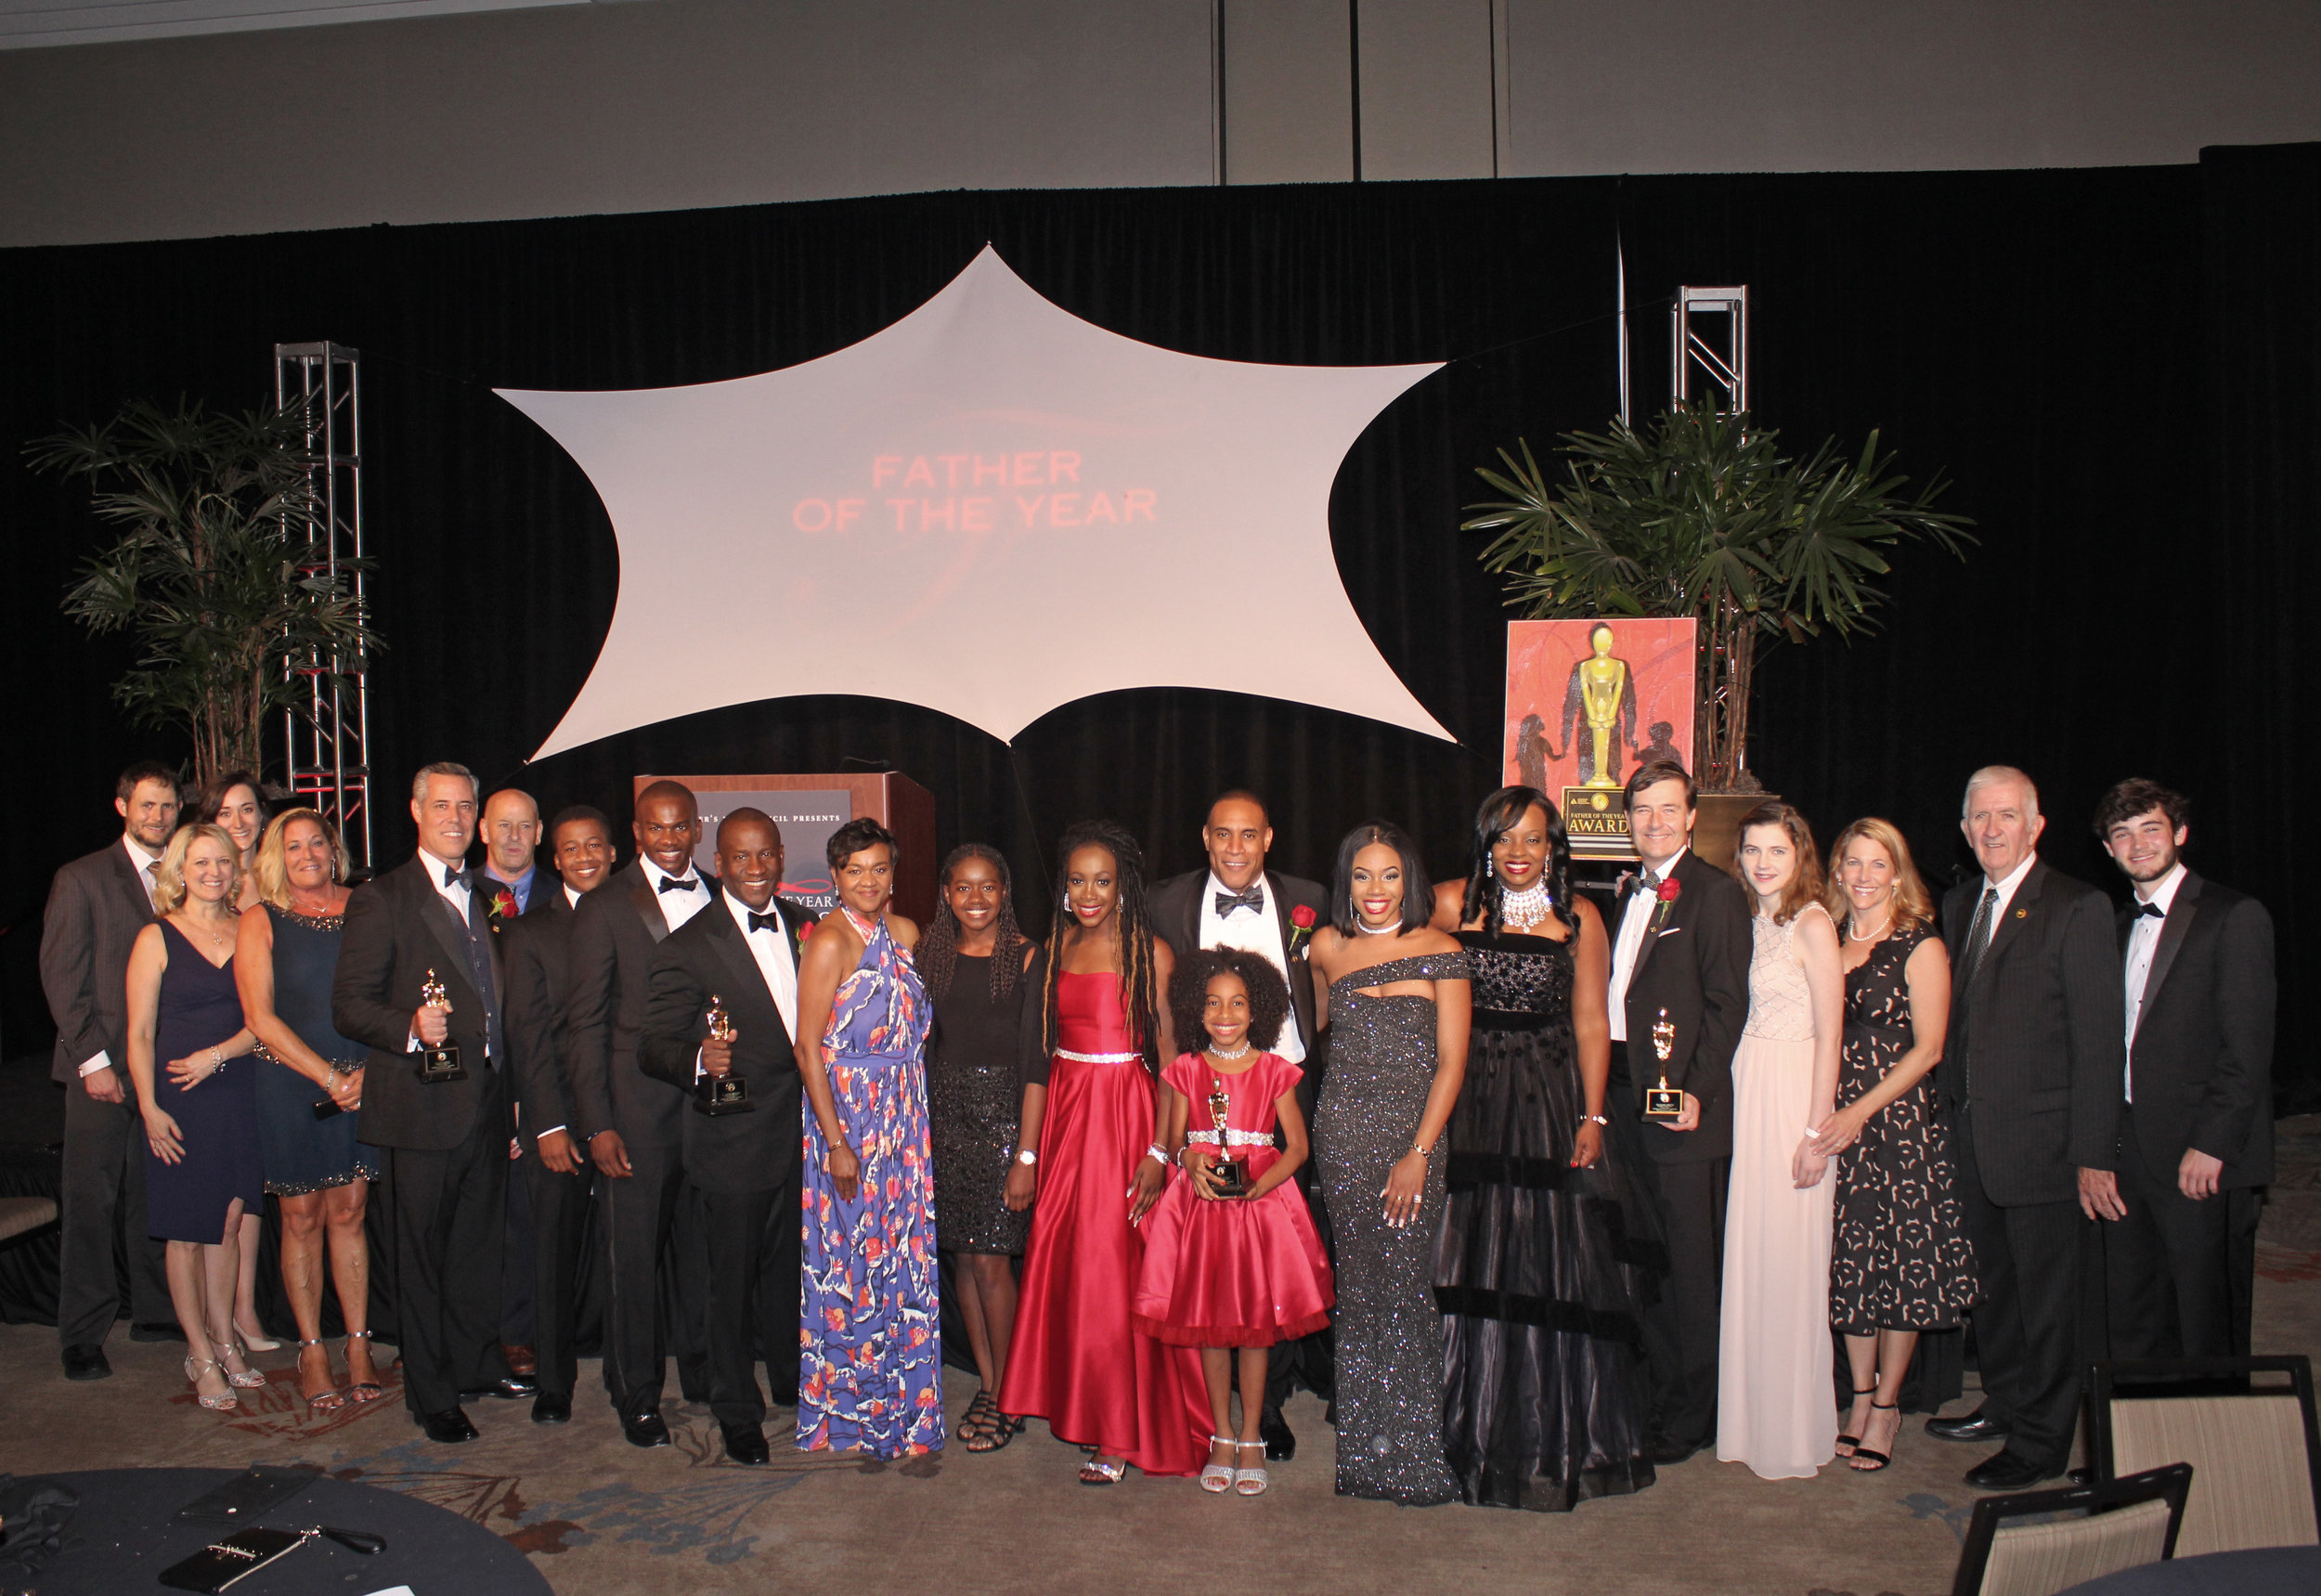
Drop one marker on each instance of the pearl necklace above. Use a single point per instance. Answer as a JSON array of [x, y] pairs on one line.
[[1387, 930], [1524, 909]]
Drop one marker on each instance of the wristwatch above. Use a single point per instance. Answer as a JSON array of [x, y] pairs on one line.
[[1028, 1156]]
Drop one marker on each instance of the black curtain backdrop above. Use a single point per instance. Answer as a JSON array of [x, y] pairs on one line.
[[2116, 367]]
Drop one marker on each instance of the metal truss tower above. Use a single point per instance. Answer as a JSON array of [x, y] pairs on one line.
[[327, 732], [1710, 354]]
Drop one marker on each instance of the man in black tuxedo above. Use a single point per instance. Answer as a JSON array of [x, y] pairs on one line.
[[97, 906], [1680, 983], [1237, 902], [511, 831], [445, 1142], [2030, 1081], [536, 952], [633, 1124], [741, 954], [2197, 1134]]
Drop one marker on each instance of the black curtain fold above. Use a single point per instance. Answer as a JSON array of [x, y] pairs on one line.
[[2115, 368]]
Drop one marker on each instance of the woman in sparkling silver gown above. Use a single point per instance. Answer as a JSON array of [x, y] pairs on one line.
[[1395, 997]]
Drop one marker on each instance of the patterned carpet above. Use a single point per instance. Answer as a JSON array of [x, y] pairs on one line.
[[600, 1518]]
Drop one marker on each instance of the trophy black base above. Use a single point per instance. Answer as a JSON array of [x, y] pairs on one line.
[[1663, 1103], [1229, 1177], [715, 1095], [439, 1064]]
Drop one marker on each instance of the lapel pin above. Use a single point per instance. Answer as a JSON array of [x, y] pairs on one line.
[[2022, 914]]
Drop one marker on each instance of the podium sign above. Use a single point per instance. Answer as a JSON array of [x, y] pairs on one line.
[[1588, 701], [808, 809]]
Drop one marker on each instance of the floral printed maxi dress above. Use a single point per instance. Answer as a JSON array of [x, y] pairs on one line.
[[870, 1355]]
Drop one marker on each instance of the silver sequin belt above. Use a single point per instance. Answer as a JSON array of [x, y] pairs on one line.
[[1099, 1057], [1233, 1138]]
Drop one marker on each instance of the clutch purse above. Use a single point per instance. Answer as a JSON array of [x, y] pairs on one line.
[[223, 1563]]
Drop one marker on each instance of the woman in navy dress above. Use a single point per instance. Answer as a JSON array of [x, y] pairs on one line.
[[189, 1060], [235, 805]]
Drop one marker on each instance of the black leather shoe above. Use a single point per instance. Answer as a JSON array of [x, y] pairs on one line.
[[745, 1444], [511, 1388], [450, 1426], [1667, 1451], [1972, 1427], [2080, 1476], [548, 1407], [2006, 1472], [156, 1332], [85, 1362], [1280, 1445], [646, 1431]]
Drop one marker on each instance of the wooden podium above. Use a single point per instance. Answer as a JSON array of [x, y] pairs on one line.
[[808, 809]]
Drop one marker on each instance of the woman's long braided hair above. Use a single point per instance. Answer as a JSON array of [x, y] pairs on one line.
[[1132, 932], [1500, 813], [938, 953]]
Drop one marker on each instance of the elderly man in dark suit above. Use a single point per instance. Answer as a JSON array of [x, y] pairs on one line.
[[97, 906], [2030, 1078], [420, 927], [2196, 1136], [1238, 902], [536, 952]]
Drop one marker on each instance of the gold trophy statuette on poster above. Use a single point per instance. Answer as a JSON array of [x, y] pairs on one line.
[[726, 1094], [439, 1064], [1663, 1101], [1229, 1175]]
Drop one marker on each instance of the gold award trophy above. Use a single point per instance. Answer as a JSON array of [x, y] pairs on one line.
[[1228, 1174], [1663, 1101], [439, 1064], [726, 1094]]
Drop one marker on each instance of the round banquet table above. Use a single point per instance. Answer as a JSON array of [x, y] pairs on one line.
[[121, 1537], [2266, 1571]]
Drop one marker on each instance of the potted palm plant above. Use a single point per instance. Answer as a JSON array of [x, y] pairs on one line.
[[1703, 516]]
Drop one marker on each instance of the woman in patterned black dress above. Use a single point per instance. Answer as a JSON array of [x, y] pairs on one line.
[[1901, 1263]]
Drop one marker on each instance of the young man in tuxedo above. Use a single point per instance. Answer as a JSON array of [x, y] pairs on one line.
[[742, 953], [2030, 1081], [97, 906], [444, 1141], [511, 832], [536, 951], [2196, 1138], [1237, 902], [633, 1124], [1680, 983]]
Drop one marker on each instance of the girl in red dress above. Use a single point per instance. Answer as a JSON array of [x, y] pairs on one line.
[[1232, 1274], [1090, 1165]]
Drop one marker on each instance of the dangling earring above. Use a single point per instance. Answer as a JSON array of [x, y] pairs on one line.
[[1490, 868]]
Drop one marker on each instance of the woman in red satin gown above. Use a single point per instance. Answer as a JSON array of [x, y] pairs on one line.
[[1090, 1122]]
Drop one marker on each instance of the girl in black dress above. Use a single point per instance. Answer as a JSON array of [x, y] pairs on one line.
[[1541, 1256], [972, 959], [1900, 1262]]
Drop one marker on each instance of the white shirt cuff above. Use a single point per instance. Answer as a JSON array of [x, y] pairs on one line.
[[102, 1060], [547, 1132], [699, 1070]]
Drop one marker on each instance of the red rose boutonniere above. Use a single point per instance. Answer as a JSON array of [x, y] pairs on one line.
[[503, 906], [1301, 929], [1669, 892], [806, 930]]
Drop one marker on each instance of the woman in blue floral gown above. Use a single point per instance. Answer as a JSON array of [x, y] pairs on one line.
[[870, 1353]]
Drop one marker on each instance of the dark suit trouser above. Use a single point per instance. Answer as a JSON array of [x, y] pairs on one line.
[[2026, 1316], [744, 1290], [2179, 1274], [560, 1223], [781, 1294], [450, 1210], [103, 1213], [515, 1255], [650, 1237], [1683, 1322]]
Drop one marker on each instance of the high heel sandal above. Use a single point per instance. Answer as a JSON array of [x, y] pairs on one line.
[[224, 1404], [360, 1391], [325, 1401], [1846, 1441], [1216, 1478], [976, 1420], [1004, 1428], [1097, 1472], [229, 1345], [1250, 1481], [259, 1342], [1877, 1459]]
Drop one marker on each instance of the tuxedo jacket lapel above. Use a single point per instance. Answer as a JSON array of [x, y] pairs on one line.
[[1654, 925], [132, 890], [741, 965], [648, 905], [2018, 912], [442, 924], [2172, 931]]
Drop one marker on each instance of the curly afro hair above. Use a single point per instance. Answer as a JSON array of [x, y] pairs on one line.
[[1188, 994]]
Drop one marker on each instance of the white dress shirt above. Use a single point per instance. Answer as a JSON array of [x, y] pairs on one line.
[[144, 864], [772, 949], [2143, 942], [676, 907], [572, 896], [1248, 931], [459, 898], [2006, 890], [1634, 917]]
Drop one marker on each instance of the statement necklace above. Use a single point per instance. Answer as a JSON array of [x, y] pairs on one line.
[[1387, 930], [1217, 1052], [1524, 909]]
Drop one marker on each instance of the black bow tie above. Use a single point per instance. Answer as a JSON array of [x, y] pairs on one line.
[[2154, 910], [453, 876], [1254, 900], [771, 921], [1644, 882], [672, 884]]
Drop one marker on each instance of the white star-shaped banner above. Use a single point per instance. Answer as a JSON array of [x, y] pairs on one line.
[[990, 507]]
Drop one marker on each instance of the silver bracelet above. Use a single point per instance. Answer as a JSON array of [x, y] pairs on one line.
[[1158, 1153], [1603, 1120]]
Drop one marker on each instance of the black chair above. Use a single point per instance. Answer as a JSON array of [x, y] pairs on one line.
[[2116, 1525], [2255, 1446]]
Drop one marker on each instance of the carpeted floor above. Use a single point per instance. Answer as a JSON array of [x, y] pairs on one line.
[[600, 1518]]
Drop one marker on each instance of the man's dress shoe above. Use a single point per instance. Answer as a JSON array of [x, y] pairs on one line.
[[450, 1426], [646, 1430], [745, 1444], [1280, 1445], [1971, 1427], [548, 1408], [2006, 1472], [511, 1388], [82, 1361]]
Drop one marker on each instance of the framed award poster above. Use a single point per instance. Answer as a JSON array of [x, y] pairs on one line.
[[1588, 701]]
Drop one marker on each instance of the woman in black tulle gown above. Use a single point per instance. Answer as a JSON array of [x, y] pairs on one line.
[[1545, 1243]]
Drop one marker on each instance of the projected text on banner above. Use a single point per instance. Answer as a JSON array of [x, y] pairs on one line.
[[965, 506]]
